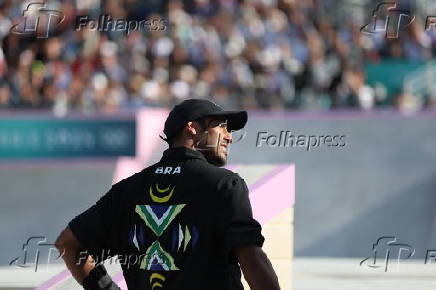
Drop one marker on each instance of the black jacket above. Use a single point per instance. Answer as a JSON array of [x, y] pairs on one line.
[[173, 225]]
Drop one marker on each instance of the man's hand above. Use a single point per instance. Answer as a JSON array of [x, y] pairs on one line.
[[257, 268], [85, 272]]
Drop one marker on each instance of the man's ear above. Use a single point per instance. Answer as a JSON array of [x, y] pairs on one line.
[[192, 128]]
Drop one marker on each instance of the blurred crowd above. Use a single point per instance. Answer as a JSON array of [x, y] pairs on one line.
[[256, 54]]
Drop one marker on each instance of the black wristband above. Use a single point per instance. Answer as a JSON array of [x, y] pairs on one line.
[[99, 279]]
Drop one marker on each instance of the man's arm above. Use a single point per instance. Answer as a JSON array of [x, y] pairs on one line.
[[257, 268], [79, 265], [92, 232]]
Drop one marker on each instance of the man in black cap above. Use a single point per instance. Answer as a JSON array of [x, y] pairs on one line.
[[182, 223]]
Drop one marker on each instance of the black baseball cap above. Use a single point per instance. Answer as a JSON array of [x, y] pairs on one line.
[[193, 109]]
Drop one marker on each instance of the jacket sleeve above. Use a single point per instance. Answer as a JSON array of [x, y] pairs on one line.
[[237, 224], [95, 227]]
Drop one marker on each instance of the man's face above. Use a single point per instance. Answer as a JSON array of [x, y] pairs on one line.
[[215, 140]]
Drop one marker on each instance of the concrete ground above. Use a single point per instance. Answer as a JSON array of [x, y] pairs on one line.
[[335, 274], [308, 273], [26, 278]]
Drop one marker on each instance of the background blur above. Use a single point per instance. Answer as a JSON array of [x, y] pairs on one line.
[[70, 120], [262, 54]]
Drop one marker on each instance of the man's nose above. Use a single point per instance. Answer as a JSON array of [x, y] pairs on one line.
[[228, 136]]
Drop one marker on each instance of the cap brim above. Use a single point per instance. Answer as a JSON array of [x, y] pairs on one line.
[[236, 120]]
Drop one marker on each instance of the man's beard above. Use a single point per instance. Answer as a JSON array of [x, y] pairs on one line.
[[211, 152], [213, 157]]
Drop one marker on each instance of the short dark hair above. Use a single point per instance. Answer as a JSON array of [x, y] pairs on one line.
[[174, 138]]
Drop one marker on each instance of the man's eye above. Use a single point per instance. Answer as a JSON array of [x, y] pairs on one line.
[[221, 124]]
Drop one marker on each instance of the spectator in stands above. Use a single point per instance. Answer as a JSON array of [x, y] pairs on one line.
[[255, 54]]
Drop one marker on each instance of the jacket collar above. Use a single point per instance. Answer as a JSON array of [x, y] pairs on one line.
[[181, 154]]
